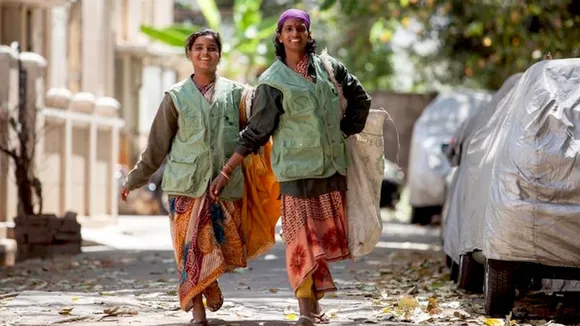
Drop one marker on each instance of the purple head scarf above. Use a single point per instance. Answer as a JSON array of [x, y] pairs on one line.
[[294, 13]]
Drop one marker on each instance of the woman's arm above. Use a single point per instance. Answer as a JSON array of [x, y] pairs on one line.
[[159, 142], [267, 109], [359, 101]]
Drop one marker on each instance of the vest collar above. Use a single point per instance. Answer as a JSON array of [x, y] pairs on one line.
[[279, 61], [219, 89]]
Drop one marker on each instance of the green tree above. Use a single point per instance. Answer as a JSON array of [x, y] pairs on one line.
[[366, 53], [480, 43]]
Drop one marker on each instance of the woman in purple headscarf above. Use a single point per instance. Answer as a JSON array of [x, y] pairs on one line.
[[297, 104]]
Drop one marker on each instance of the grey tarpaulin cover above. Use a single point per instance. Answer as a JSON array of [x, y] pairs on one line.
[[466, 203], [533, 213], [428, 167]]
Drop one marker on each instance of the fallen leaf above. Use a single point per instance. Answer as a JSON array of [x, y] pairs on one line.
[[290, 316], [68, 320], [119, 311], [493, 322], [75, 298], [436, 285], [461, 314], [412, 290], [41, 286], [273, 290], [332, 313], [432, 305], [407, 303], [66, 311]]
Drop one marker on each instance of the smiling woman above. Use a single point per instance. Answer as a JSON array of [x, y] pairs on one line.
[[204, 50], [297, 104], [195, 129]]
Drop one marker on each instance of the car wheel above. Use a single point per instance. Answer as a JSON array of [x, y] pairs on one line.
[[499, 287], [471, 274], [423, 215], [448, 261], [454, 276], [389, 194]]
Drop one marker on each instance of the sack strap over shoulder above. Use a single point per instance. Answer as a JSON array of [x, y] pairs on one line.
[[246, 106], [325, 58]]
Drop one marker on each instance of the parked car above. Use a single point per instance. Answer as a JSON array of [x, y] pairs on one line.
[[462, 219], [517, 190], [428, 167]]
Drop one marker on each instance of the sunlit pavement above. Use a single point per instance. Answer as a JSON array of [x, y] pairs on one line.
[[126, 276]]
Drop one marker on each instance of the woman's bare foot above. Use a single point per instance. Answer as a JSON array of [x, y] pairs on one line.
[[198, 311]]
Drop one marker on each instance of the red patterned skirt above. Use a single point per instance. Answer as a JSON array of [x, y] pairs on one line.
[[207, 241], [315, 232]]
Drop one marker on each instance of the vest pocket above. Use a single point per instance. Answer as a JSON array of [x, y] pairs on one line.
[[191, 120], [301, 103], [180, 173], [303, 158]]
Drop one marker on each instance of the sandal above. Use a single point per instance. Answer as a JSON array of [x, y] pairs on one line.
[[193, 322], [320, 318], [304, 321], [214, 297]]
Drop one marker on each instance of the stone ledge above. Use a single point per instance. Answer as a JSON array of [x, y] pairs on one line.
[[7, 252]]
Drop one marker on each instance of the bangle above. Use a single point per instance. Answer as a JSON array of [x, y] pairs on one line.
[[228, 168], [225, 175]]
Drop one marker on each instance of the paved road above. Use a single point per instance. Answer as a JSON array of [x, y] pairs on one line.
[[130, 267]]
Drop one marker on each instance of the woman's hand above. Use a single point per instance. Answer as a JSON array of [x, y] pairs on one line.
[[217, 185], [124, 193]]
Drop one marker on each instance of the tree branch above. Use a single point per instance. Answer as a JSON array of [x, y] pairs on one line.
[[9, 152]]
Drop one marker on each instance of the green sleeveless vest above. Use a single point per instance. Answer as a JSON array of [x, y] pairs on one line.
[[308, 142], [206, 138]]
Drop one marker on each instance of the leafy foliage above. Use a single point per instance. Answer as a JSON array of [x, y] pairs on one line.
[[479, 42]]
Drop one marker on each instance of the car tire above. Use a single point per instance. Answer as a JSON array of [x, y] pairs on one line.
[[389, 194], [423, 215], [454, 276], [448, 261], [471, 274], [499, 287]]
